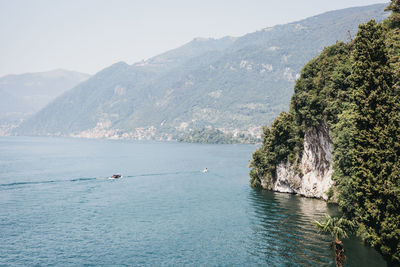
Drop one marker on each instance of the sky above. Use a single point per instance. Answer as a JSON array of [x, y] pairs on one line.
[[89, 35]]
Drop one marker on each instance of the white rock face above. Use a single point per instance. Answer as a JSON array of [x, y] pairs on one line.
[[316, 167]]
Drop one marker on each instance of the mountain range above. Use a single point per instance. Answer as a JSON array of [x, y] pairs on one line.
[[23, 95], [233, 84]]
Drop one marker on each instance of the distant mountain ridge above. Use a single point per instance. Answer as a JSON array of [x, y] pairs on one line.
[[232, 84], [21, 95]]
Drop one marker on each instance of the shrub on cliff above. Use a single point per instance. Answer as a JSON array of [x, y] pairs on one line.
[[281, 142]]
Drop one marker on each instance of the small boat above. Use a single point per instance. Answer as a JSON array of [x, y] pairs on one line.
[[205, 170], [116, 176]]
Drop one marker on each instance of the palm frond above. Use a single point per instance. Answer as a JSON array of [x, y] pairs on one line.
[[336, 227]]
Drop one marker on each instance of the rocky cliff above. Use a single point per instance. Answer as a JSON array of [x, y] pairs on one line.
[[313, 176]]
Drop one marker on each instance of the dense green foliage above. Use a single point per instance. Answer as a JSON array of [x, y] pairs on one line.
[[354, 89], [231, 83], [320, 94], [215, 136], [394, 18], [369, 192], [281, 141]]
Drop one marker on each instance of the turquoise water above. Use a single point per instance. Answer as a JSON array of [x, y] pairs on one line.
[[57, 207]]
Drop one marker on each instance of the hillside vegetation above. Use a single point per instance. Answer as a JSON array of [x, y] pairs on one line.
[[354, 88], [215, 136]]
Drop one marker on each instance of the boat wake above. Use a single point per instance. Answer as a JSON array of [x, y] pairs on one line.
[[82, 179], [47, 182]]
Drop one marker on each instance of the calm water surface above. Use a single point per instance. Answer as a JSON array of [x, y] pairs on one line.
[[57, 207]]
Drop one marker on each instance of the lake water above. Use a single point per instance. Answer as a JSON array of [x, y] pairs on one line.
[[57, 207]]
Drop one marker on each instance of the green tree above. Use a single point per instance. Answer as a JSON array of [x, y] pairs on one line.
[[321, 89], [338, 228], [282, 142], [394, 18], [343, 134], [375, 148], [393, 46]]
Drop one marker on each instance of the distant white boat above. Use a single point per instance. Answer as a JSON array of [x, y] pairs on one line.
[[205, 170]]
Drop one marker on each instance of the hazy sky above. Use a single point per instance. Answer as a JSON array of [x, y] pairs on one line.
[[88, 35]]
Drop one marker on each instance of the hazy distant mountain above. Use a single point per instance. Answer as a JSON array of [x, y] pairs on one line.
[[24, 94], [234, 84]]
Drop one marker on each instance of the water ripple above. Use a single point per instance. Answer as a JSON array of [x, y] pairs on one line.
[[58, 209], [282, 229]]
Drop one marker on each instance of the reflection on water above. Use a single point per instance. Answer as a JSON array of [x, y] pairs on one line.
[[283, 233], [282, 229]]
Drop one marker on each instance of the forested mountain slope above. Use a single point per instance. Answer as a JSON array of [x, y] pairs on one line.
[[233, 84]]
